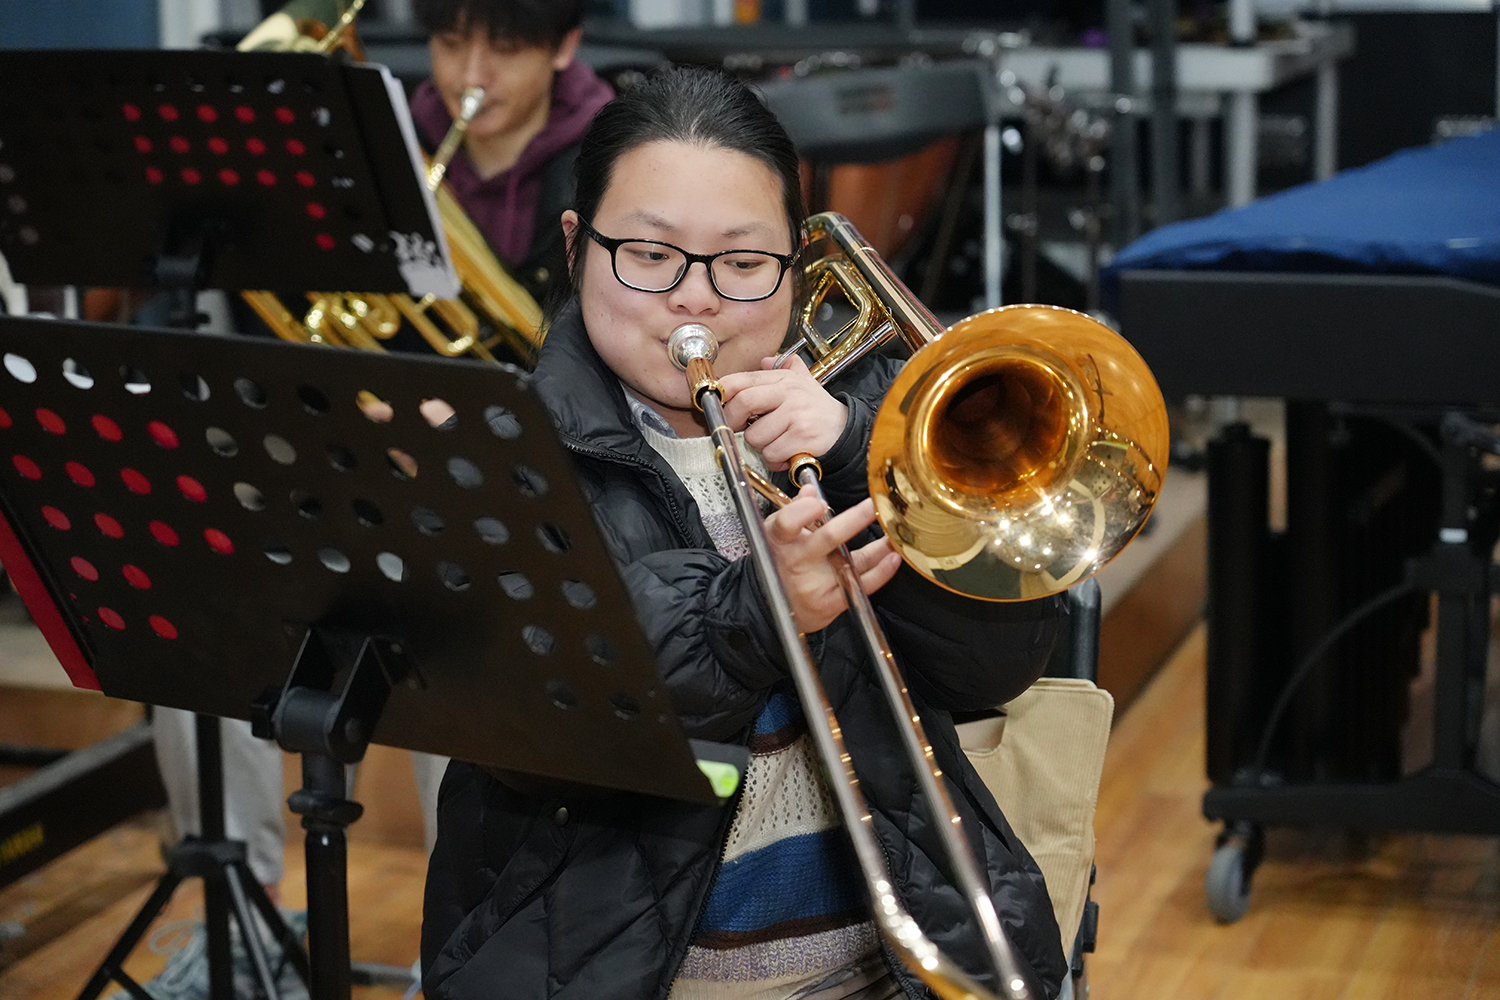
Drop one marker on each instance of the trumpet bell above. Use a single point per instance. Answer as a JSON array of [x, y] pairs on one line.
[[1018, 452]]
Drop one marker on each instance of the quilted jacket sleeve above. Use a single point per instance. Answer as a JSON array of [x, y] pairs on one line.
[[964, 654], [715, 644]]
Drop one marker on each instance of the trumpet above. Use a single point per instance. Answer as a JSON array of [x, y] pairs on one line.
[[991, 453], [493, 311]]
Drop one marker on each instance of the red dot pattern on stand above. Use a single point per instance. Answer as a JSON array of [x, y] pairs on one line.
[[109, 526], [192, 489], [162, 434], [218, 541], [51, 422], [107, 428], [122, 610], [79, 473], [135, 482], [202, 129]]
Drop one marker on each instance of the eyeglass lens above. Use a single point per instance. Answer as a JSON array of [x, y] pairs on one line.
[[652, 267]]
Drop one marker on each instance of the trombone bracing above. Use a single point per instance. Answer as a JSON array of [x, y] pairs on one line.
[[1015, 454]]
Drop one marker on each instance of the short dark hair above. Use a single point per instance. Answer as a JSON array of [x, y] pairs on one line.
[[699, 107], [531, 22]]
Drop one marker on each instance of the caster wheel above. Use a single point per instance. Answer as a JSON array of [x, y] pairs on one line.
[[1228, 883], [1236, 856]]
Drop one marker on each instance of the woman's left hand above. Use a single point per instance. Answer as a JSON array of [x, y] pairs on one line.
[[783, 411]]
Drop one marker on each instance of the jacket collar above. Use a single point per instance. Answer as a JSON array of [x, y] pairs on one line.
[[585, 398], [592, 416]]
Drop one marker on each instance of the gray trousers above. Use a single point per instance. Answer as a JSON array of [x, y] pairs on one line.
[[253, 791]]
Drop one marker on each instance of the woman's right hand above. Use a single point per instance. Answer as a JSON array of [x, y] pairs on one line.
[[783, 411], [801, 548]]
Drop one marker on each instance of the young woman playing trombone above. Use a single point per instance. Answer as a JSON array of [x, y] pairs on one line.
[[689, 210]]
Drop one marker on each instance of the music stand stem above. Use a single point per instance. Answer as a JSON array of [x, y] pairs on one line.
[[211, 829], [326, 816]]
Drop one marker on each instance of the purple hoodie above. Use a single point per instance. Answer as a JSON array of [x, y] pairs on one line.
[[504, 207]]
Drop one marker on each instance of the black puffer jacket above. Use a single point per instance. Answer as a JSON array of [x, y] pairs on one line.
[[542, 892]]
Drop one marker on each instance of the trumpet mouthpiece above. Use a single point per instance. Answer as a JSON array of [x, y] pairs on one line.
[[469, 103], [690, 342]]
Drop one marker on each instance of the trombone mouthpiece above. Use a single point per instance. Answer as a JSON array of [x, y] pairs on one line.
[[690, 342]]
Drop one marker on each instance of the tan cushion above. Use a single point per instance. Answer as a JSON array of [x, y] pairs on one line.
[[1042, 762]]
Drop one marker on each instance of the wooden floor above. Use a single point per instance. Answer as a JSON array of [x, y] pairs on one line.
[[1404, 917]]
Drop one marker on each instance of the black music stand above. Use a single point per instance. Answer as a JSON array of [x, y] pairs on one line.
[[255, 170], [212, 170], [216, 524], [200, 169]]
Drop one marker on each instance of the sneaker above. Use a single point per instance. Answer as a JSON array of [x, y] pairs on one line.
[[185, 943]]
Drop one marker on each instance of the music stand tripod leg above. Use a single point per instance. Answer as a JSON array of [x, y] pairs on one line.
[[227, 885], [110, 969]]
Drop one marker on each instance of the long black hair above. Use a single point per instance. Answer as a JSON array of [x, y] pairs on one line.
[[699, 107]]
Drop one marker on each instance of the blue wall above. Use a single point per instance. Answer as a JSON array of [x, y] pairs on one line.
[[78, 24]]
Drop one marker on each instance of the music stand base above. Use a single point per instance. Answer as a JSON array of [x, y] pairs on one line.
[[230, 889]]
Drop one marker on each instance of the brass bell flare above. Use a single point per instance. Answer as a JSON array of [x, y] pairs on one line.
[[1018, 452]]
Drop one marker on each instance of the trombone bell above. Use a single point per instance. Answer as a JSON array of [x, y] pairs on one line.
[[1018, 452]]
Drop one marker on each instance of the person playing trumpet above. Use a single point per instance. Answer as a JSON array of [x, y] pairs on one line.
[[688, 209], [512, 174]]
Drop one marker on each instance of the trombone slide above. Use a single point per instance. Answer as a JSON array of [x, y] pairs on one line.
[[692, 348]]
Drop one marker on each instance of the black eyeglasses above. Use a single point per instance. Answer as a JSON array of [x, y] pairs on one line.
[[654, 266]]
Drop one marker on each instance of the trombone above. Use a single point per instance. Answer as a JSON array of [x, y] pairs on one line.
[[692, 348], [1007, 411]]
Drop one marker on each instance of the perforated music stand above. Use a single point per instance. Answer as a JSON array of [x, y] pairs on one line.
[[190, 170], [216, 524], [202, 169]]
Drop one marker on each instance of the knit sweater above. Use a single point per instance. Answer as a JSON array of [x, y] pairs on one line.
[[787, 907]]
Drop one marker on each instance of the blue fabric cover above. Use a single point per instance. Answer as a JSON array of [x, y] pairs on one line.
[[1428, 210]]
